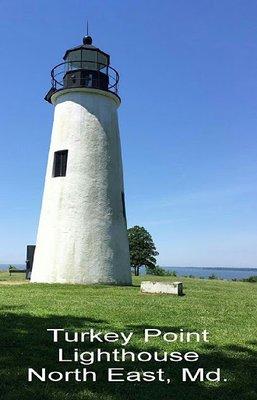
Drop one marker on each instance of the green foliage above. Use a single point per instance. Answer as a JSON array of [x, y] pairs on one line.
[[157, 270], [252, 279], [213, 276], [12, 267], [170, 273], [142, 248]]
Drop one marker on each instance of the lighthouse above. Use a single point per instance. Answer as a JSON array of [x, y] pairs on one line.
[[82, 232]]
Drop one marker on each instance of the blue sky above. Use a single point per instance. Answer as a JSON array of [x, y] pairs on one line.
[[188, 119]]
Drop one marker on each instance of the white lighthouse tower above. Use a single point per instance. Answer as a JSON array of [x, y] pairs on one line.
[[82, 233]]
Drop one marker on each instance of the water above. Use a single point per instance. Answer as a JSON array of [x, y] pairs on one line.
[[203, 272], [220, 272], [5, 267]]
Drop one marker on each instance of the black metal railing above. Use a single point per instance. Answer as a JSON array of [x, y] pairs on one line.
[[95, 70]]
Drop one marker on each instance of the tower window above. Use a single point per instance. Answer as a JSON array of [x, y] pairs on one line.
[[60, 163], [123, 205]]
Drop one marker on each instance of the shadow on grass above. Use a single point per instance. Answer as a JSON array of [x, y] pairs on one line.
[[26, 343]]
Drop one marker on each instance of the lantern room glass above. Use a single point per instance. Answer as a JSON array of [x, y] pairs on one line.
[[87, 59]]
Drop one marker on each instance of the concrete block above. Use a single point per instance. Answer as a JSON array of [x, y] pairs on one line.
[[162, 287]]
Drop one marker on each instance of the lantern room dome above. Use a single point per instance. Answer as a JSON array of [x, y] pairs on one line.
[[86, 48]]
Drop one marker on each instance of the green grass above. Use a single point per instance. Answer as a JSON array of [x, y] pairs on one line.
[[5, 277], [228, 310]]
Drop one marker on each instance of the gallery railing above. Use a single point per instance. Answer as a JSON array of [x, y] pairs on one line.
[[85, 73]]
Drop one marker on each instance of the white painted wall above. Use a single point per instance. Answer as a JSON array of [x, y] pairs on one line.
[[82, 235]]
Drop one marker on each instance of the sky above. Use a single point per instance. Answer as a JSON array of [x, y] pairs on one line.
[[188, 119]]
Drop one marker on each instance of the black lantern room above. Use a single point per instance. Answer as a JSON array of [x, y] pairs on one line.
[[84, 66]]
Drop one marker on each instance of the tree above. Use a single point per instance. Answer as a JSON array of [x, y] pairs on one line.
[[142, 248]]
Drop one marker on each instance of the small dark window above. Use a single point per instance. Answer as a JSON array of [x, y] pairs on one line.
[[60, 163], [123, 206]]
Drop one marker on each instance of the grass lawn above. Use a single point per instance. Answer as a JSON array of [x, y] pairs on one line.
[[228, 310]]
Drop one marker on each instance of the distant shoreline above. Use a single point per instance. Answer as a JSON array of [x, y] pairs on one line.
[[218, 268], [4, 267], [226, 273]]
